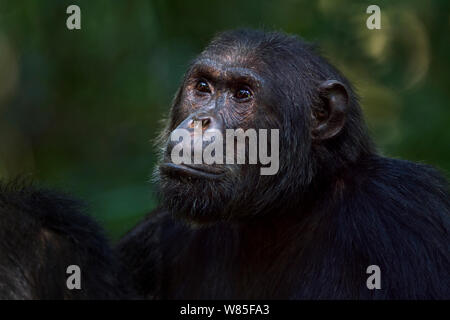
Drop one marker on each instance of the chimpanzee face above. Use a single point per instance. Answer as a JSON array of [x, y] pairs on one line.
[[217, 97]]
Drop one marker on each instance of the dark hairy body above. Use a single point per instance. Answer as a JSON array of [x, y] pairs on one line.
[[373, 217], [43, 232], [309, 232]]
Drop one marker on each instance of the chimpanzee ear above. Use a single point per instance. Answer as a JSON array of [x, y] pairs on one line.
[[329, 119]]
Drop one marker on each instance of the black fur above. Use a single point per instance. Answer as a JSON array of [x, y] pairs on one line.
[[309, 232], [41, 234]]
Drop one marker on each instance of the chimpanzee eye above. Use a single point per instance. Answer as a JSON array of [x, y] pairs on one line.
[[243, 94], [202, 86]]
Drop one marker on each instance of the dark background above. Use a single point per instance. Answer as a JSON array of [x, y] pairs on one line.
[[78, 109]]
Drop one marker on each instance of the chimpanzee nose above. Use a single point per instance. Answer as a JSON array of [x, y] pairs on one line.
[[205, 122], [190, 126]]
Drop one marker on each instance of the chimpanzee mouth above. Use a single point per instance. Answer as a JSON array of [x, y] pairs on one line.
[[190, 170]]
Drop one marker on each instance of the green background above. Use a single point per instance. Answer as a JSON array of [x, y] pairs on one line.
[[79, 109]]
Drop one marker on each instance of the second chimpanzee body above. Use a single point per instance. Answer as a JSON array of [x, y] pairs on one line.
[[42, 234], [334, 208]]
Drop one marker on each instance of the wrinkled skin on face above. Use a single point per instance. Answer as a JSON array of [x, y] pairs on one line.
[[220, 94]]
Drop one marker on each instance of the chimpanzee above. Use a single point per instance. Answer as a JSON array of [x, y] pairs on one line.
[[310, 231], [43, 234]]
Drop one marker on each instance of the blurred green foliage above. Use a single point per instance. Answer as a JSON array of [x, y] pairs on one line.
[[78, 109]]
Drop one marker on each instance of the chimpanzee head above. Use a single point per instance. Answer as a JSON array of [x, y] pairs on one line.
[[252, 80]]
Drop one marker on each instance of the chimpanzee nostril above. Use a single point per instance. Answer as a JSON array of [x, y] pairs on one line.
[[205, 123]]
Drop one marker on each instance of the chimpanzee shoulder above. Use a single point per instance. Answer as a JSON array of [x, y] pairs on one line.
[[42, 233], [395, 214]]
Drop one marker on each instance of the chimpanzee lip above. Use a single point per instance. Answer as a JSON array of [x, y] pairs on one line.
[[192, 170]]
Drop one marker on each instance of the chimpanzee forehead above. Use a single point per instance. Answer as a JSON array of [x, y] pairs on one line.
[[260, 57], [247, 54], [225, 68]]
